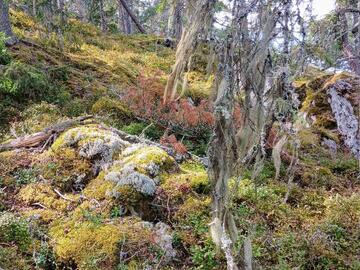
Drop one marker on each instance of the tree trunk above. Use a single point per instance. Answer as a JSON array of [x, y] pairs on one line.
[[350, 49], [102, 16], [133, 17], [200, 18], [5, 25], [124, 20], [34, 8], [174, 27], [222, 154]]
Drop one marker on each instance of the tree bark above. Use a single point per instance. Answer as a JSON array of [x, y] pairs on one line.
[[102, 16], [34, 8], [350, 49], [222, 153], [5, 25], [174, 27], [124, 20], [132, 16]]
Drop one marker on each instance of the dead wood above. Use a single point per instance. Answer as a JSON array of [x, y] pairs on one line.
[[37, 139]]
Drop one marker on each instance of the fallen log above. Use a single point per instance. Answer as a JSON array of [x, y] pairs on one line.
[[43, 137], [47, 136]]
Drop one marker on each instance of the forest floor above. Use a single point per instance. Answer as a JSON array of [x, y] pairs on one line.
[[92, 197]]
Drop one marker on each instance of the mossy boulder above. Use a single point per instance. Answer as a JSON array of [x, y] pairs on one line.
[[91, 142], [150, 160], [67, 169], [87, 239], [135, 173]]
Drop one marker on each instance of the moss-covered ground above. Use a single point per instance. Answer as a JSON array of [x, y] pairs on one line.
[[95, 201]]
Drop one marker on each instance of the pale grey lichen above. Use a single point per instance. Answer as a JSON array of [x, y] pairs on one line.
[[92, 142], [163, 238], [347, 122], [140, 182]]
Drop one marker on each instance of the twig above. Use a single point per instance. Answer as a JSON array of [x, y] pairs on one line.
[[146, 128], [62, 196], [40, 205]]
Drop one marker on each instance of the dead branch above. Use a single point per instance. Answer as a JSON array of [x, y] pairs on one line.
[[37, 139], [40, 205], [62, 196]]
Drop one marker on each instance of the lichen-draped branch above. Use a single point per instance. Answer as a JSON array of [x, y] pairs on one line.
[[222, 154], [200, 18]]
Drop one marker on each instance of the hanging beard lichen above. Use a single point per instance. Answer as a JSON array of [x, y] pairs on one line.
[[200, 19]]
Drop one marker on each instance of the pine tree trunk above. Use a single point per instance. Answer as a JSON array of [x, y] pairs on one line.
[[132, 16], [102, 16], [5, 25], [174, 27], [124, 20], [34, 8]]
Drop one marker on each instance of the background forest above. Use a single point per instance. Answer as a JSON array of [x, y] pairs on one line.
[[178, 134]]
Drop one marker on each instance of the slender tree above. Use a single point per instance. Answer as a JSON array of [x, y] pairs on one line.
[[124, 19], [175, 25], [350, 32], [132, 16], [5, 25], [103, 25]]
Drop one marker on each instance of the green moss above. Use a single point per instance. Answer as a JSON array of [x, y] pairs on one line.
[[98, 188], [308, 138], [76, 107], [86, 243], [319, 177], [46, 196], [147, 159], [12, 259], [66, 169], [93, 243], [199, 87], [127, 195], [112, 107], [37, 117]]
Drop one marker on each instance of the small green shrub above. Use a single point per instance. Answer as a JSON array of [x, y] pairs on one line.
[[5, 57], [75, 107], [204, 257], [59, 73], [14, 230], [25, 176], [292, 251], [23, 81], [150, 132], [44, 257], [117, 211]]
